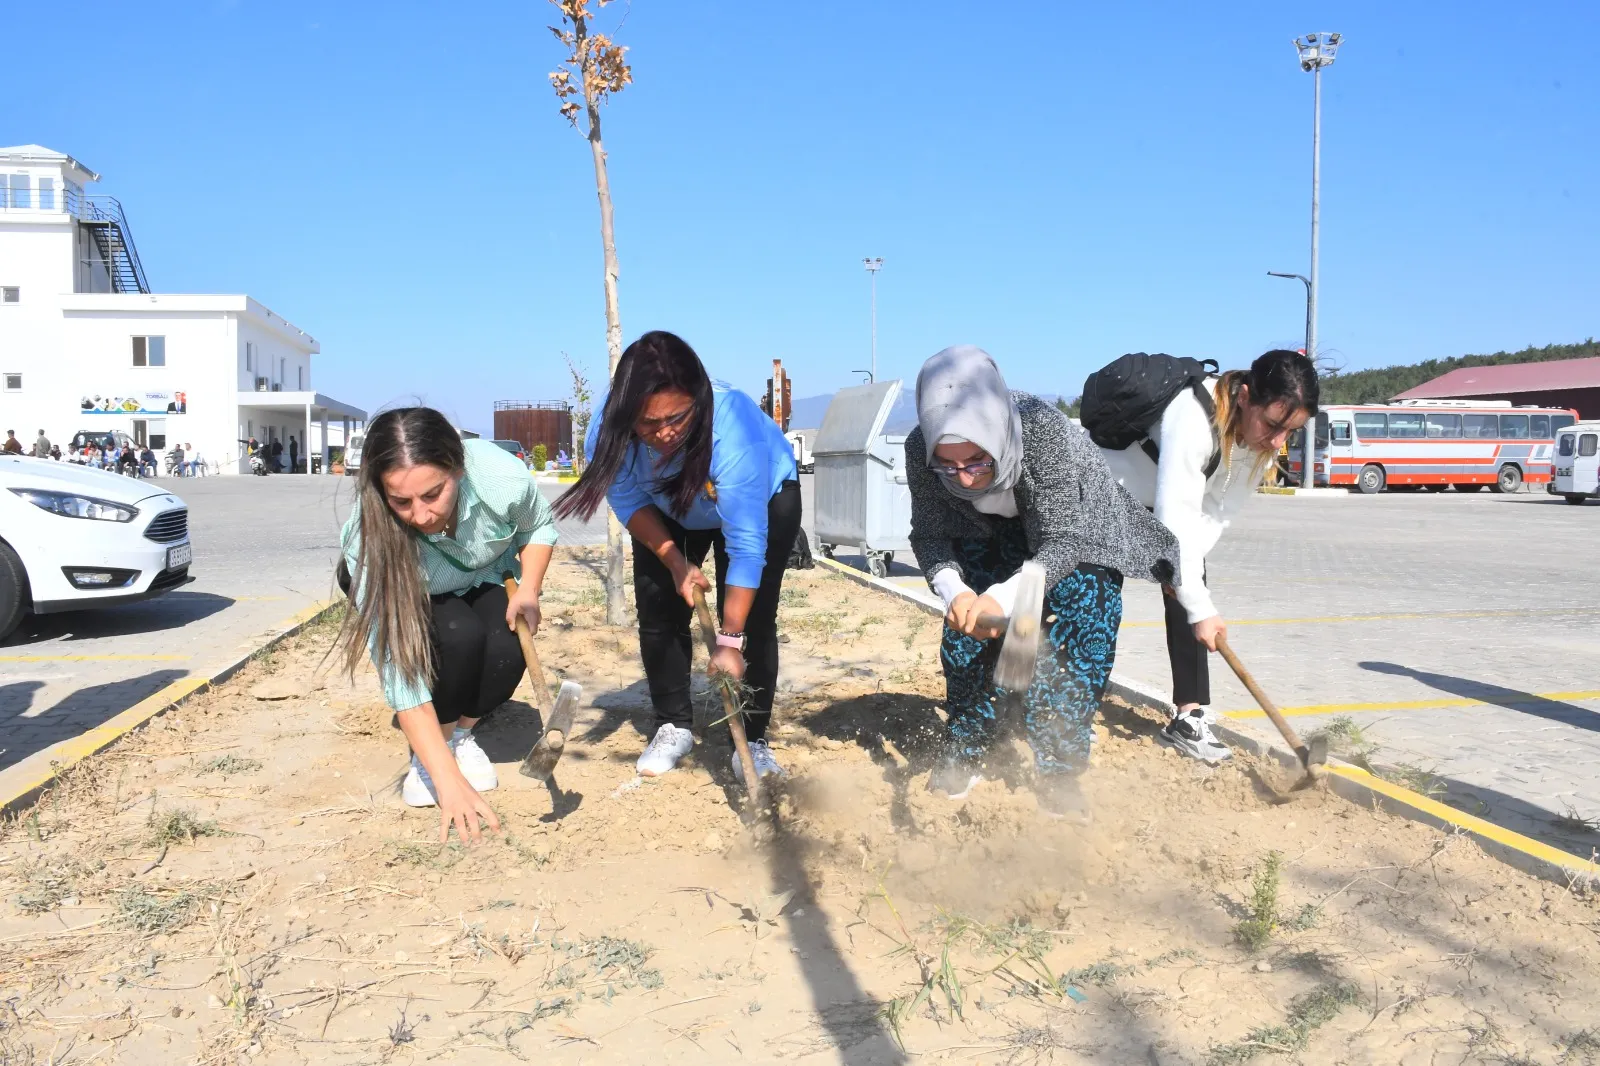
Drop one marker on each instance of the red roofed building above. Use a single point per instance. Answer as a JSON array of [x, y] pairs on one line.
[[1573, 383]]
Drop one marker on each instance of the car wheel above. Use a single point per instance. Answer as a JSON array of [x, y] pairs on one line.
[[14, 598], [1372, 479], [1575, 498], [1510, 479]]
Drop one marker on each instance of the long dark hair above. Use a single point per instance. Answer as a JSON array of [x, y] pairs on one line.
[[655, 362], [1275, 376], [388, 594]]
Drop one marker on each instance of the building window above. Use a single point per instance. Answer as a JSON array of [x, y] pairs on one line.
[[20, 193], [13, 382], [249, 357], [281, 374], [47, 194], [299, 378], [10, 294], [149, 351]]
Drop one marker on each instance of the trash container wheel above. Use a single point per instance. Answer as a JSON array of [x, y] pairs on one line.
[[826, 550]]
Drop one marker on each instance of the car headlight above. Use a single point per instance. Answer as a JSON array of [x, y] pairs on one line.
[[70, 506]]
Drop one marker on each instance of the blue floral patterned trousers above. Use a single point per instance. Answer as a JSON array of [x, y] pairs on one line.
[[1077, 648]]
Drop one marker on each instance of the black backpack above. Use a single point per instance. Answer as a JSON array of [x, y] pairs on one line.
[[1123, 401]]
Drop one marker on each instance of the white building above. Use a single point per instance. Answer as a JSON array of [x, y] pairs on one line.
[[87, 347]]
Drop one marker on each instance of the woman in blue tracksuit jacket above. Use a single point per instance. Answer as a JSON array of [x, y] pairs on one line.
[[690, 465]]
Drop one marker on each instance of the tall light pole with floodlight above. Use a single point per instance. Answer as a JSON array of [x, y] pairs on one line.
[[1317, 50], [873, 266]]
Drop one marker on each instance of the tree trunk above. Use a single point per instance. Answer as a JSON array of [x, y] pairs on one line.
[[616, 599]]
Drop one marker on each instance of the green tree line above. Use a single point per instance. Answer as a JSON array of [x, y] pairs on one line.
[[1381, 384]]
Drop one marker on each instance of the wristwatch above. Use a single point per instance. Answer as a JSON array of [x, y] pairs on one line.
[[732, 640]]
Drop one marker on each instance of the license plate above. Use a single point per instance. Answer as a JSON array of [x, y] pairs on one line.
[[179, 555]]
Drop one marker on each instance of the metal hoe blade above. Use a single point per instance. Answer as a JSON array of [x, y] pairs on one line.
[[541, 761], [1019, 654]]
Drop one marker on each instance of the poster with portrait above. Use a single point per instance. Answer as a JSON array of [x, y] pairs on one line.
[[136, 403]]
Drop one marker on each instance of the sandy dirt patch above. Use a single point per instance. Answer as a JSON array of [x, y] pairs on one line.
[[239, 883]]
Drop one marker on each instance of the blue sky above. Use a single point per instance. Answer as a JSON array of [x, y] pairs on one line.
[[1059, 184]]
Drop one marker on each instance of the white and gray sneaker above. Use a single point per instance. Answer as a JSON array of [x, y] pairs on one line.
[[1190, 733], [475, 765], [661, 755], [417, 788], [761, 755]]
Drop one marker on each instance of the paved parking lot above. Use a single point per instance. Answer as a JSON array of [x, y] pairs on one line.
[[1460, 632], [264, 549]]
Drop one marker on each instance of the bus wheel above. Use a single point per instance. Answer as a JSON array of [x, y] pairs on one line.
[[1372, 479], [1510, 479]]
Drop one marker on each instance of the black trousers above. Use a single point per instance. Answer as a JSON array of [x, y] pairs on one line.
[[477, 660], [666, 622], [1191, 667]]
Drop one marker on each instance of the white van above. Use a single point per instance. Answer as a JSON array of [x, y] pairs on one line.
[[352, 454], [1577, 462]]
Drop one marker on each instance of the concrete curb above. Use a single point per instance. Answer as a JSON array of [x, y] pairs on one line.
[[23, 784], [1350, 782], [878, 583], [1358, 786]]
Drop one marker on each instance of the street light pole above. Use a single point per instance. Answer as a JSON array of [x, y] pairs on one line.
[[873, 266], [1317, 50]]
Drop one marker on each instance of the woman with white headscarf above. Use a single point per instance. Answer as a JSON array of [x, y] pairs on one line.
[[998, 478]]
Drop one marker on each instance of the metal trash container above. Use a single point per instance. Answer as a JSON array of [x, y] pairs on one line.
[[862, 499]]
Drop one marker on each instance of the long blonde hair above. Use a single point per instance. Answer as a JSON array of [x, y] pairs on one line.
[[388, 593]]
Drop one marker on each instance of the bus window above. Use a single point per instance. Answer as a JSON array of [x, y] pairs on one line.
[[1480, 427], [1341, 433], [1444, 425], [1371, 425], [1560, 422], [1322, 429], [1539, 427], [1513, 427], [1408, 424], [1586, 444], [1565, 445]]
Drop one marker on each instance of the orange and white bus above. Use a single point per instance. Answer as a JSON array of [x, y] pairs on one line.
[[1434, 443]]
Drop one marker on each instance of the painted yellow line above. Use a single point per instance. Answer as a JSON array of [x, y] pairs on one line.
[[1532, 698], [1451, 816], [90, 658], [1413, 616]]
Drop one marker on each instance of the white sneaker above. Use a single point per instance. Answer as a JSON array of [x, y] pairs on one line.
[[475, 765], [661, 755], [417, 789], [1190, 733], [761, 755]]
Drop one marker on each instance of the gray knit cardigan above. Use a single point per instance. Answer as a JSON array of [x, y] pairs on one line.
[[1072, 509]]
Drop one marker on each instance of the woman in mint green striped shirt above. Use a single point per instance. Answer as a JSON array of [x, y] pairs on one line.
[[436, 523]]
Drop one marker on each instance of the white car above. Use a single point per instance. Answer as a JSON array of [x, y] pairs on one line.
[[73, 538]]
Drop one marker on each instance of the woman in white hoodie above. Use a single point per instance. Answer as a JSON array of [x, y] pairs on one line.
[[1196, 493]]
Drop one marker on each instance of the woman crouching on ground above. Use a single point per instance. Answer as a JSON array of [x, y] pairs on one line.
[[998, 478], [436, 523], [1213, 446], [688, 465]]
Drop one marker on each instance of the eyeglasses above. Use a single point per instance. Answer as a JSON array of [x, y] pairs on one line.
[[971, 469], [650, 427]]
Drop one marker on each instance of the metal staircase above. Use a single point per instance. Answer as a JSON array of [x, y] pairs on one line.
[[104, 218]]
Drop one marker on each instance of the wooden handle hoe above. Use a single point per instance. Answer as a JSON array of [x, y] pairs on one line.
[[1314, 757], [540, 762], [741, 744]]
